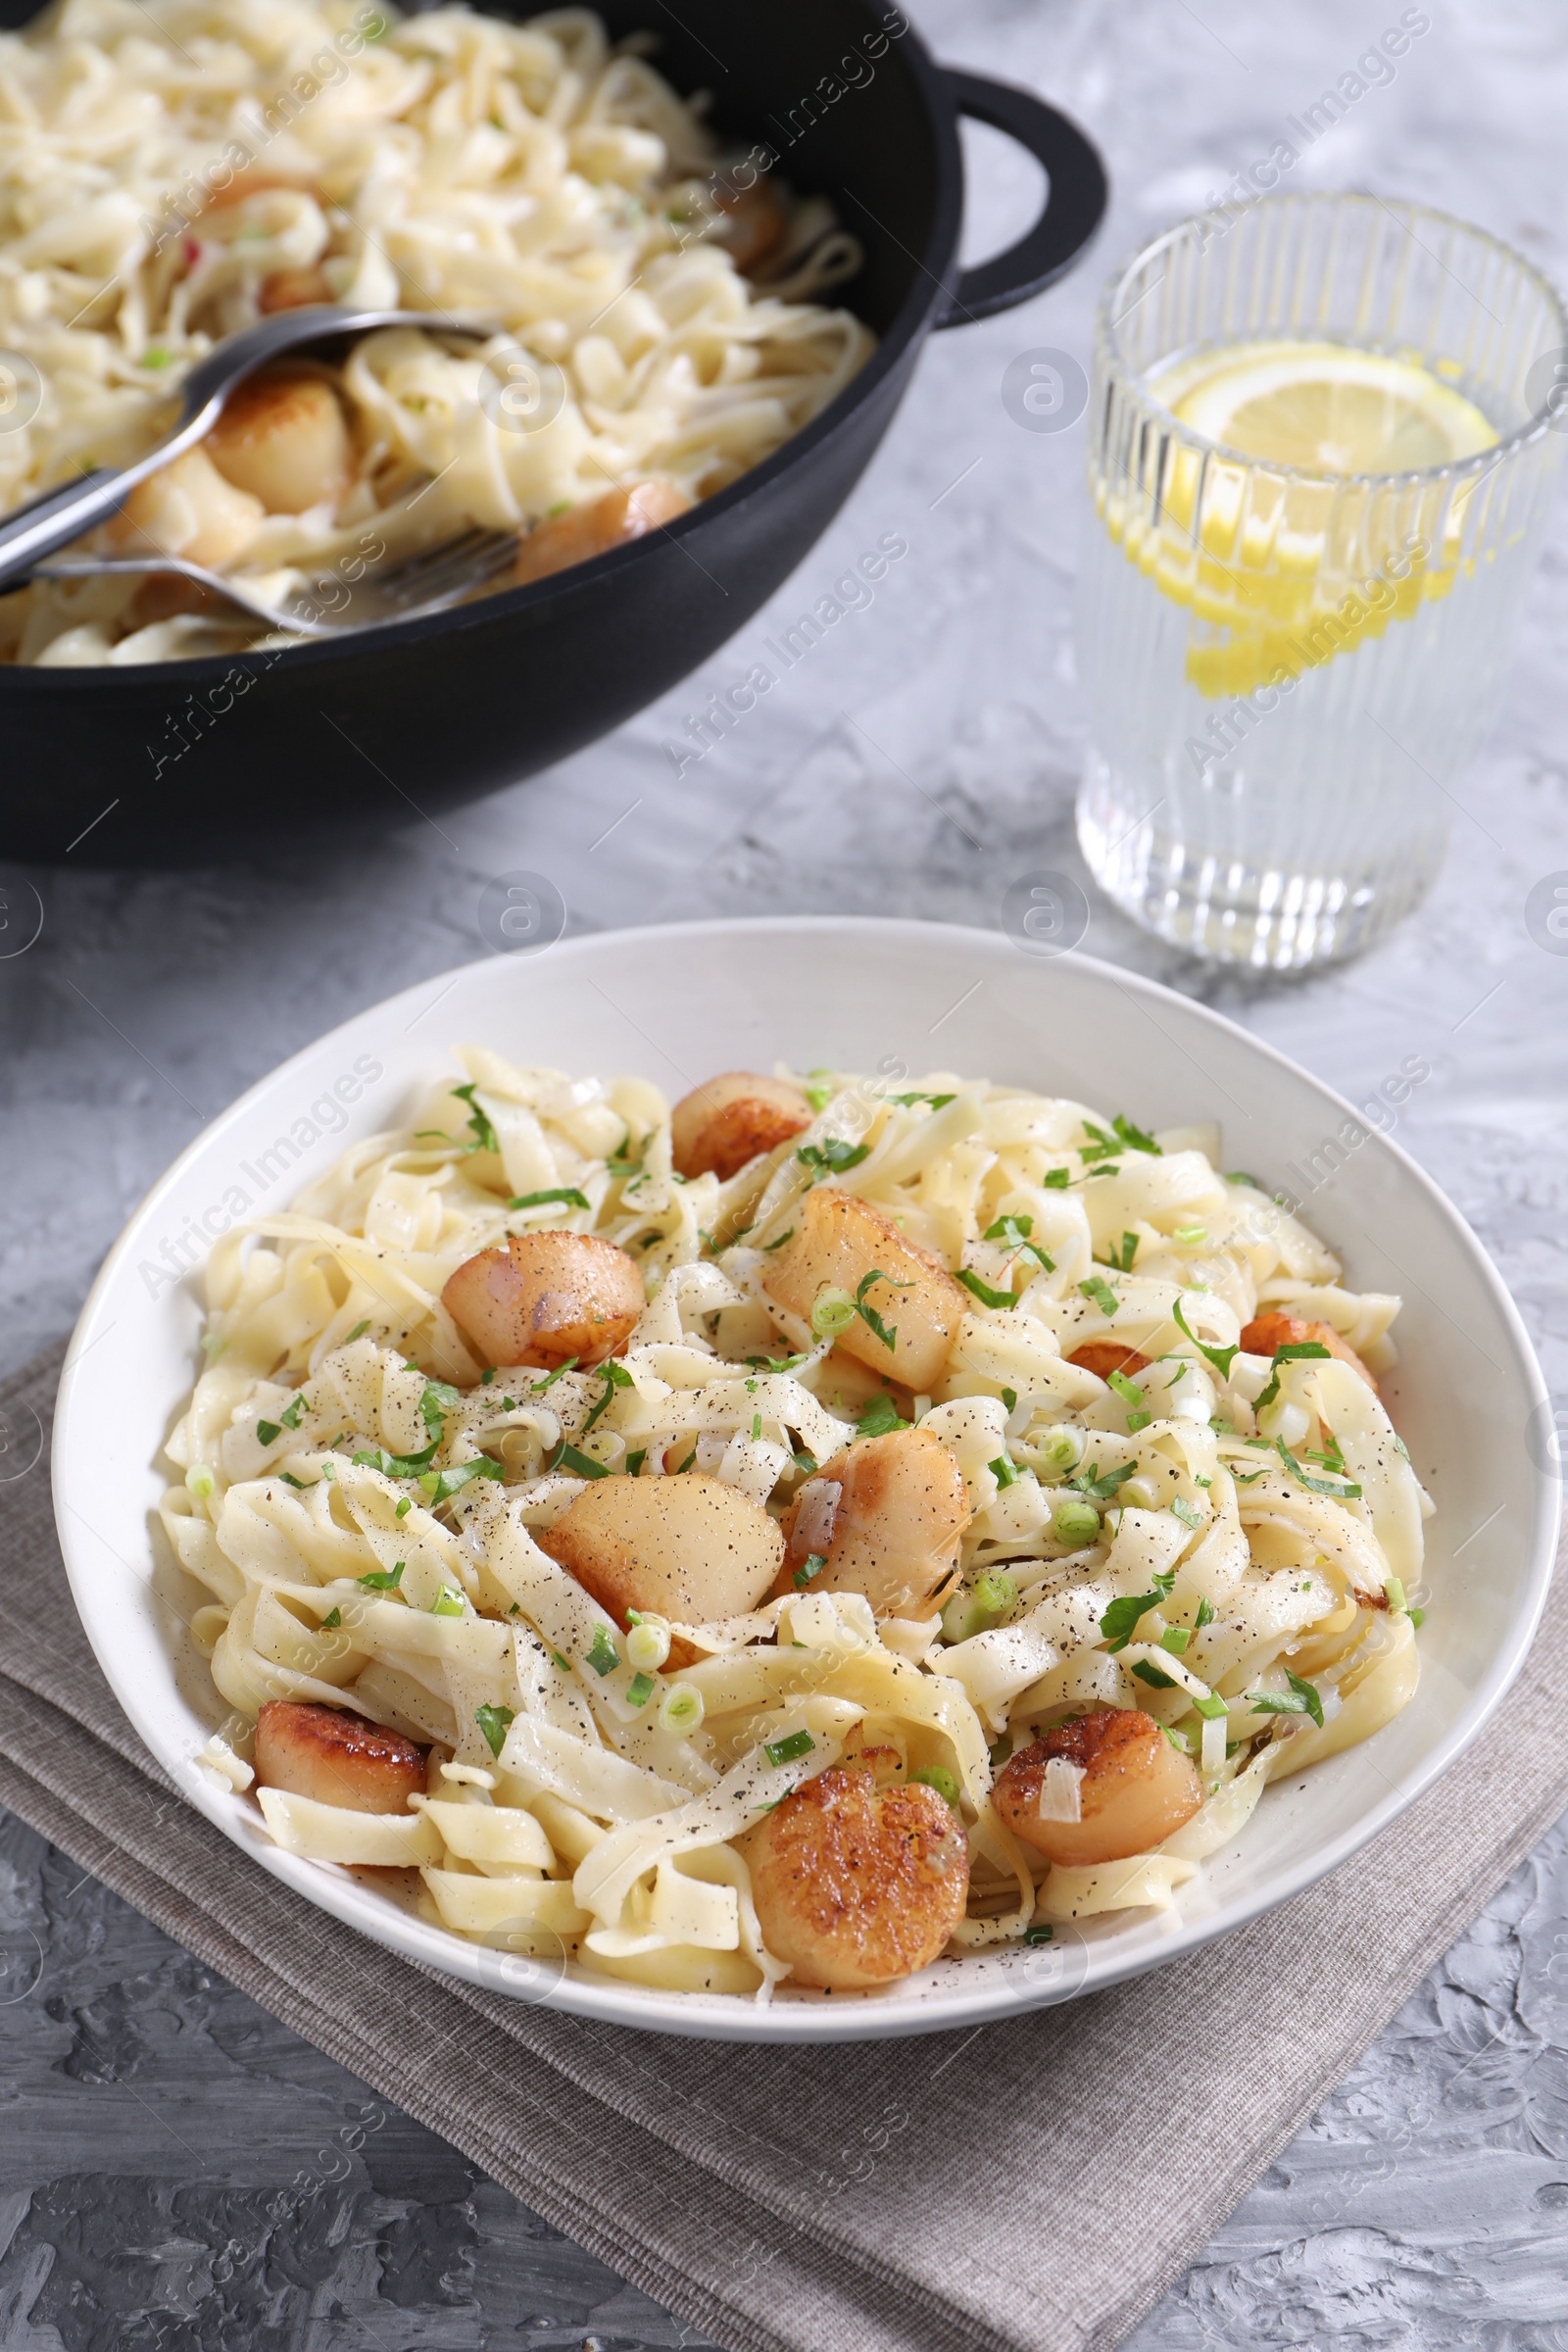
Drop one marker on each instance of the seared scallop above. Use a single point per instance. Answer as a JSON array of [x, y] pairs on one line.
[[857, 1886], [283, 438], [187, 508], [544, 1298], [688, 1548], [1102, 1358], [593, 530], [839, 1241], [336, 1759], [719, 1127], [883, 1518], [1135, 1788]]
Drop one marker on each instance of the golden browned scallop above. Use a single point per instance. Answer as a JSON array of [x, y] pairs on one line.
[[886, 1516], [293, 290], [336, 1759], [719, 1127], [1137, 1790], [592, 529], [187, 508], [752, 221], [283, 438], [1265, 1332], [690, 1548], [837, 1239], [1102, 1358], [857, 1886], [544, 1298]]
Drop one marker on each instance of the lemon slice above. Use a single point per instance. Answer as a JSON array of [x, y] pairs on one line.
[[1324, 407]]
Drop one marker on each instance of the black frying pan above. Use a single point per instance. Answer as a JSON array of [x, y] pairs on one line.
[[169, 763]]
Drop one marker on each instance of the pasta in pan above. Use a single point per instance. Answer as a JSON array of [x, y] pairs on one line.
[[826, 1527], [169, 173]]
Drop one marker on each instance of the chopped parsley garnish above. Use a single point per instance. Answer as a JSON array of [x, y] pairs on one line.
[[687, 1463], [1120, 1620], [301, 1484], [537, 1388], [757, 1427], [567, 1194], [495, 1723], [812, 1566], [635, 1461], [614, 1375], [1221, 1358], [1187, 1512], [441, 1485], [269, 1431], [1287, 1355], [582, 1465], [983, 1291], [331, 1620], [1090, 1481], [1155, 1676], [1010, 1398], [1125, 1136], [785, 1751], [1132, 1396], [937, 1101], [640, 1689], [1122, 1254], [291, 1419], [404, 1508], [1057, 1179], [487, 1376], [604, 1657], [1300, 1699], [439, 1399], [831, 1158], [357, 1333], [879, 1418], [805, 1462], [397, 1465], [485, 1137], [1002, 1471], [1042, 1934], [1098, 1290], [1341, 1488], [625, 1163], [383, 1579], [788, 1235]]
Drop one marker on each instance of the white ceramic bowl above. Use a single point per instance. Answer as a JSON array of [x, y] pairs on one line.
[[675, 1006]]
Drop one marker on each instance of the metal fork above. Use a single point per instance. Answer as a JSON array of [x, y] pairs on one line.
[[333, 605]]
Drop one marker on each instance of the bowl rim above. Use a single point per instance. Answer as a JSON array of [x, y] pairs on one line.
[[896, 348], [729, 2017]]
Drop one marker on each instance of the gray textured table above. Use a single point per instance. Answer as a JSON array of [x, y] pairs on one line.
[[160, 2181]]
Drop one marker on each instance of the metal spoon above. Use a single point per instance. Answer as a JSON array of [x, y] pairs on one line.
[[61, 515]]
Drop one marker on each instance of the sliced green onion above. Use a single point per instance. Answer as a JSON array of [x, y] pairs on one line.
[[648, 1643], [1075, 1523], [1175, 1638], [604, 1657], [832, 1312], [787, 1749], [975, 1610], [640, 1689], [357, 1333], [1155, 1676], [333, 1618], [1212, 1708], [447, 1604], [567, 1194], [199, 1480], [812, 1566], [680, 1711], [938, 1777], [383, 1579], [1061, 1451], [1002, 1471], [1395, 1590]]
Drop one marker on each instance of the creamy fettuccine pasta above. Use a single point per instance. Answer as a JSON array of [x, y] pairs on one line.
[[172, 171], [830, 1527]]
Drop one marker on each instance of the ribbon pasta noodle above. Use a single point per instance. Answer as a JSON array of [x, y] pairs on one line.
[[587, 1634], [171, 174]]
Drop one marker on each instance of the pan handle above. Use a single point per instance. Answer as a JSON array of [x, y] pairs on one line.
[[1075, 200]]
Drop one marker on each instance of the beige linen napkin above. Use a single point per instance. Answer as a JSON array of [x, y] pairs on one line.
[[1000, 2190]]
